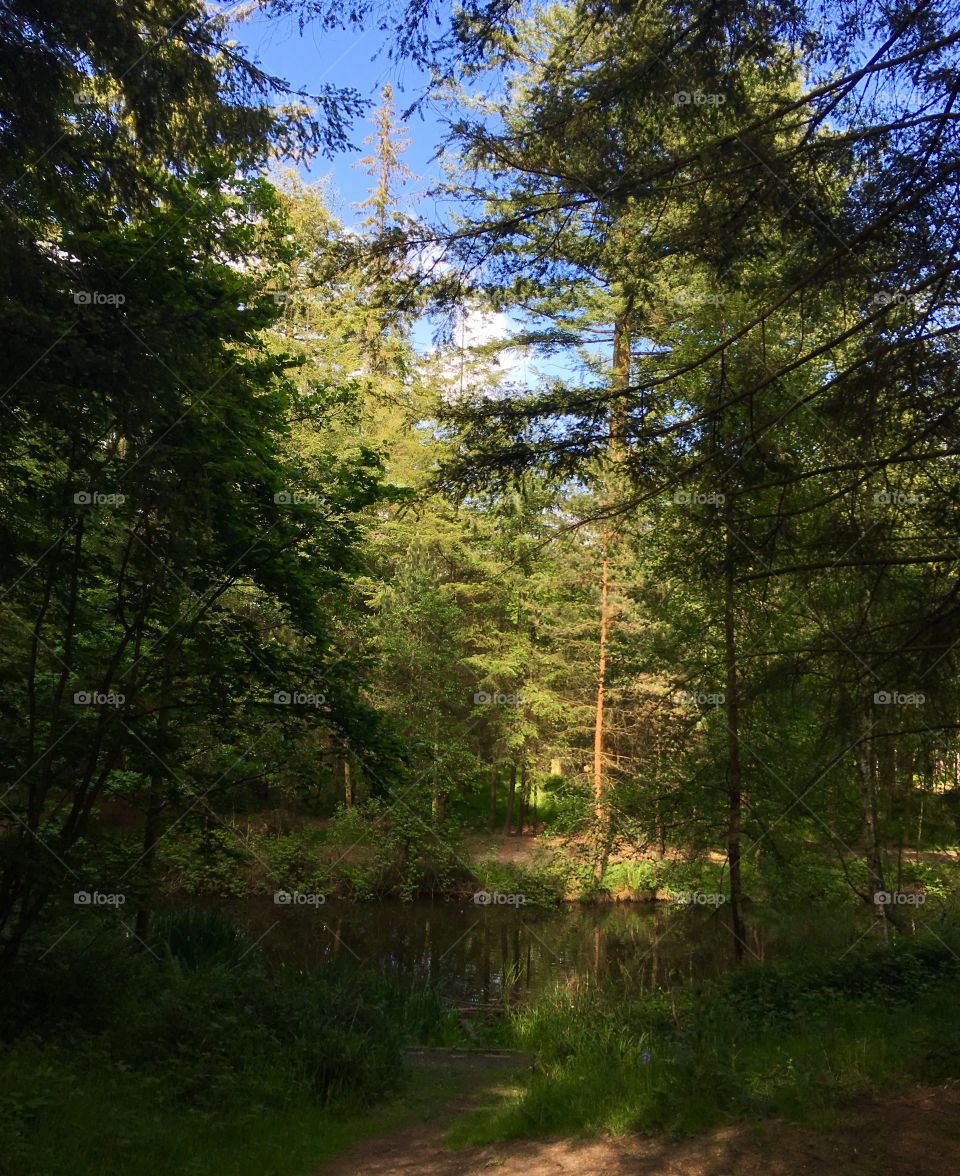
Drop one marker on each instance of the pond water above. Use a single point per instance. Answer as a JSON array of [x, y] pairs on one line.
[[491, 955]]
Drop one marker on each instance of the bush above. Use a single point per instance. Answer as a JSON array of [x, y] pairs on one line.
[[208, 1023], [541, 884], [402, 856], [208, 860]]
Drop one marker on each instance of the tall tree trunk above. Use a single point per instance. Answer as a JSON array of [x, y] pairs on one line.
[[524, 787], [511, 795], [925, 787], [439, 806], [621, 382], [155, 803], [916, 856], [658, 814], [598, 808], [734, 773], [615, 447], [349, 794], [873, 853], [493, 796]]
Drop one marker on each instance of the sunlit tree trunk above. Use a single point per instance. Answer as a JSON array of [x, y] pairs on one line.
[[598, 806], [511, 796], [620, 381], [524, 796]]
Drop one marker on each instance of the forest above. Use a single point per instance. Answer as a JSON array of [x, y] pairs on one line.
[[480, 660]]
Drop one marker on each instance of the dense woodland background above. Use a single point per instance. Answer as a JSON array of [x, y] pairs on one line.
[[652, 551]]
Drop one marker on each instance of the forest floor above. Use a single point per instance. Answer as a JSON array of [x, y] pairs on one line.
[[915, 1132], [533, 845]]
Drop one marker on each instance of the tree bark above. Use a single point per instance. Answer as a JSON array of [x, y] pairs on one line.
[[615, 446], [598, 811], [734, 772], [349, 793], [511, 794], [873, 853], [155, 803]]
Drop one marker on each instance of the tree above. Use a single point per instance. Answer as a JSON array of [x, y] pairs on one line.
[[152, 552], [728, 191]]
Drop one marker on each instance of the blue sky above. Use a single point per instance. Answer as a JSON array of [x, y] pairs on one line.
[[360, 60], [350, 59]]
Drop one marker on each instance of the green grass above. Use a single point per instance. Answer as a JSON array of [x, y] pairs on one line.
[[205, 1063], [200, 1061], [65, 1116], [792, 1040]]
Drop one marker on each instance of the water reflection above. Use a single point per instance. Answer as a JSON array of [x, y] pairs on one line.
[[492, 956]]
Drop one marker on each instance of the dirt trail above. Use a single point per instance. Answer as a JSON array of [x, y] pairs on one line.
[[911, 1134]]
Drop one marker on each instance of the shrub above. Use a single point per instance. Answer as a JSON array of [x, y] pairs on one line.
[[212, 1027]]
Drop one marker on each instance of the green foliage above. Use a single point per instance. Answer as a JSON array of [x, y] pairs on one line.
[[261, 556], [51, 1111], [201, 1020], [787, 1039], [396, 851], [207, 860], [292, 861], [662, 878], [543, 883], [806, 880], [194, 938], [632, 879]]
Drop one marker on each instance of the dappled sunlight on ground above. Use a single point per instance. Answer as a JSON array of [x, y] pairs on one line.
[[914, 1134]]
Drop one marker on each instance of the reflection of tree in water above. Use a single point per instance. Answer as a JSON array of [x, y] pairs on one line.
[[489, 957]]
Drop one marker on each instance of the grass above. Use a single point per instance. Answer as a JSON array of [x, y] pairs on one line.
[[791, 1040], [205, 1063], [82, 1117], [202, 1061]]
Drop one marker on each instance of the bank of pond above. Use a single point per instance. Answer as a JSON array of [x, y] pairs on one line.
[[247, 1036]]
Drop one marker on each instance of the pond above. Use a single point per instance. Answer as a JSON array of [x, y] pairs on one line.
[[493, 955]]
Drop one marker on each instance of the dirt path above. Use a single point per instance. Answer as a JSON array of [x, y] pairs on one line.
[[913, 1134]]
